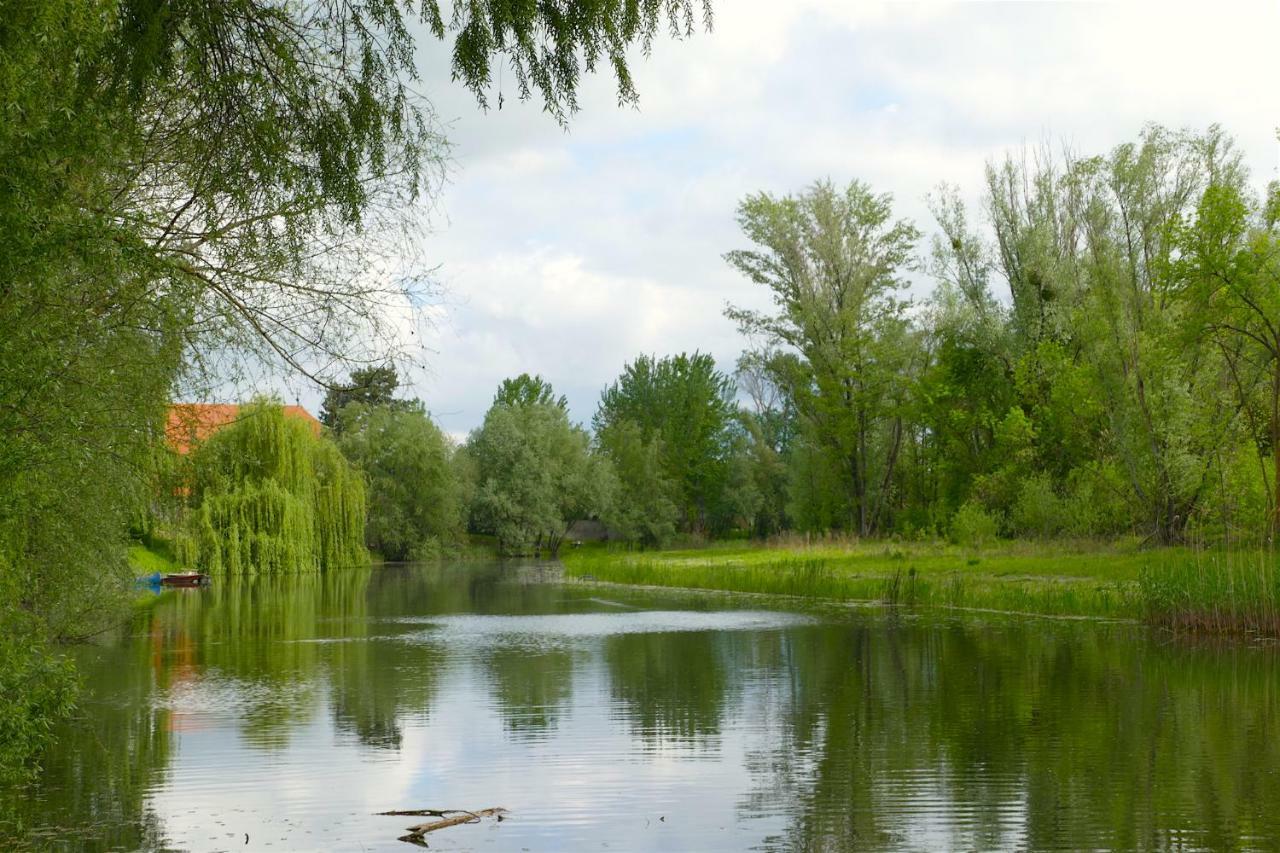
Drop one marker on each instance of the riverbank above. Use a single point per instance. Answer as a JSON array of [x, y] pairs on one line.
[[1181, 588], [150, 559]]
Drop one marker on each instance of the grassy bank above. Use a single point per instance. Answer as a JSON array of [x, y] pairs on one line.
[[1178, 587], [156, 556]]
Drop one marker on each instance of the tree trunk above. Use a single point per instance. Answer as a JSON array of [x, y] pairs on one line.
[[891, 462], [861, 464]]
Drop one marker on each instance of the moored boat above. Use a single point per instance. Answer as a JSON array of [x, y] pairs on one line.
[[185, 579]]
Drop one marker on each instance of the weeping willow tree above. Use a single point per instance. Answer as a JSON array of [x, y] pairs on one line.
[[268, 495]]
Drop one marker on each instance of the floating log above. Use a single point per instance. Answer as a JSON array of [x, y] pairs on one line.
[[459, 816]]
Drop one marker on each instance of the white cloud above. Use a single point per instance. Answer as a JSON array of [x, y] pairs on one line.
[[543, 310], [567, 253]]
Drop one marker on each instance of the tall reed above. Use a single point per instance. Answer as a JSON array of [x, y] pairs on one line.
[[1226, 591]]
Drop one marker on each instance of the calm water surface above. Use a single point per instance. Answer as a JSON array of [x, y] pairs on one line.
[[280, 714]]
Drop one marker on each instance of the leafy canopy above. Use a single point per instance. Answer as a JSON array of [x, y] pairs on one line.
[[368, 386], [526, 390], [414, 500], [535, 475], [684, 407]]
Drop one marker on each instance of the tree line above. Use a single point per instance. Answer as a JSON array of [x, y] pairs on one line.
[[1098, 356]]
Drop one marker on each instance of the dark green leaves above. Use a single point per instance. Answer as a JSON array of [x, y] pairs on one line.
[[549, 45]]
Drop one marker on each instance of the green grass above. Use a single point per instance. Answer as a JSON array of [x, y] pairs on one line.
[[146, 559], [1177, 587], [1218, 592], [149, 560]]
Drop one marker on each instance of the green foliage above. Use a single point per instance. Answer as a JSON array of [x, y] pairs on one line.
[[1229, 273], [414, 503], [526, 390], [972, 526], [548, 46], [270, 496], [534, 475], [37, 686], [768, 432], [1037, 511], [1128, 378], [88, 350], [368, 386], [683, 408], [738, 508], [833, 260], [644, 506], [1095, 502], [816, 497]]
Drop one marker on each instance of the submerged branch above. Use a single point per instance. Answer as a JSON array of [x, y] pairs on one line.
[[459, 816]]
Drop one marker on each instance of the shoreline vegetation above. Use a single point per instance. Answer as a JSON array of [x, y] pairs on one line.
[[1179, 588], [1184, 589], [1096, 358], [163, 241]]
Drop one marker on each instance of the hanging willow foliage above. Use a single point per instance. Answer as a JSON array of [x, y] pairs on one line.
[[270, 496]]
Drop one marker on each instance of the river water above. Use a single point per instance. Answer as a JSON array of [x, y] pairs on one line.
[[281, 714]]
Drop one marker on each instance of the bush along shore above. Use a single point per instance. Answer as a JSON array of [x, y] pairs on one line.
[[1184, 589]]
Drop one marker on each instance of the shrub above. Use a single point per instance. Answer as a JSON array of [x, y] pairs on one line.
[[1038, 511], [972, 526]]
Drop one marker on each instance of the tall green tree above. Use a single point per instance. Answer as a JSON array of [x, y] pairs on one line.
[[1079, 384], [270, 496], [534, 476], [833, 260], [88, 351], [415, 507], [1160, 400], [368, 386], [683, 405], [1230, 275]]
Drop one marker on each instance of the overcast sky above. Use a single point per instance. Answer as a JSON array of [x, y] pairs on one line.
[[567, 253]]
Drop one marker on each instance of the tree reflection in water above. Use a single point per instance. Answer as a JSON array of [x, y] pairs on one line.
[[861, 730]]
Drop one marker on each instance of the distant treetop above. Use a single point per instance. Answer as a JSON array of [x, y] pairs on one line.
[[526, 390], [372, 386]]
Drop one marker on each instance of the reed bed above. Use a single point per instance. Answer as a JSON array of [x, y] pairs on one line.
[[1214, 592], [915, 577], [1185, 590]]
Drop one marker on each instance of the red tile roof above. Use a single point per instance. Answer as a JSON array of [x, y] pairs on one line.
[[191, 423]]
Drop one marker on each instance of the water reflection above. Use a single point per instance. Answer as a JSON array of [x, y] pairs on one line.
[[672, 687], [532, 686], [290, 709]]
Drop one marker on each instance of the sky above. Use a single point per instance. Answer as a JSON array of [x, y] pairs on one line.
[[569, 252]]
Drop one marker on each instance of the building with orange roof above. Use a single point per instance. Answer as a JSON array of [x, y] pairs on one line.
[[189, 424]]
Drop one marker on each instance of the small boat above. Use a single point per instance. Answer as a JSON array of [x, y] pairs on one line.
[[185, 579]]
